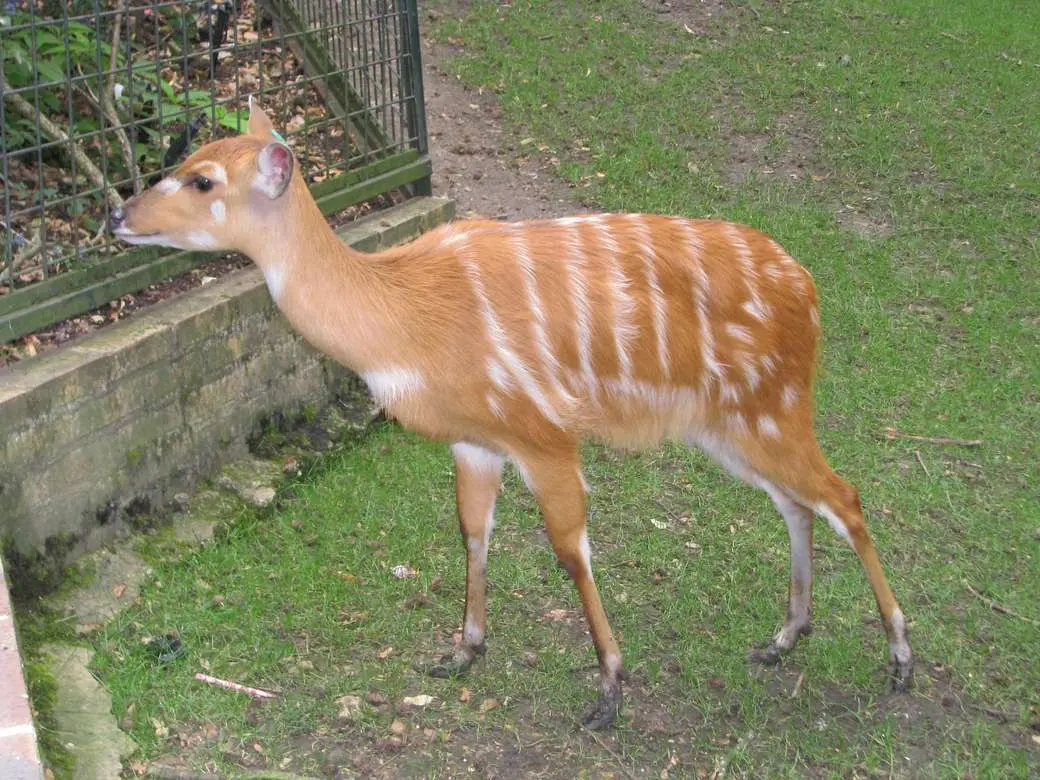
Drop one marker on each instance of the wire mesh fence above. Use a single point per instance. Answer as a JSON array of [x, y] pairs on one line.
[[101, 97]]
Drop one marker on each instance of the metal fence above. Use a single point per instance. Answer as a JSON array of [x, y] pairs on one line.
[[100, 97]]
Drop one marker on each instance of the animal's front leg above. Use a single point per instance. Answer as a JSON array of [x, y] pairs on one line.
[[478, 476]]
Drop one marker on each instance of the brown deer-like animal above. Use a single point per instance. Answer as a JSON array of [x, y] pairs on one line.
[[515, 341]]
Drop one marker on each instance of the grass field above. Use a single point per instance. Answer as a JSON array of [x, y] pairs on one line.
[[893, 148]]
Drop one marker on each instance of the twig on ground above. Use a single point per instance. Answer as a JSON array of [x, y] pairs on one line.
[[927, 473], [91, 171], [999, 607], [234, 686], [891, 434], [952, 37], [798, 685], [621, 764]]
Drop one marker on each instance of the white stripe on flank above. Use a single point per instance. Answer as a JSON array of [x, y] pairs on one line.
[[754, 306], [645, 243], [740, 332], [712, 368], [550, 364], [499, 341], [576, 269], [624, 305]]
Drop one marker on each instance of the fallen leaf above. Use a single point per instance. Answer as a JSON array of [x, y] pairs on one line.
[[397, 727], [465, 694], [660, 525], [160, 728], [385, 653], [119, 590], [555, 615], [376, 699], [403, 571], [487, 705]]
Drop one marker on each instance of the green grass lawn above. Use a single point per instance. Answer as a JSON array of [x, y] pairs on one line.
[[893, 148]]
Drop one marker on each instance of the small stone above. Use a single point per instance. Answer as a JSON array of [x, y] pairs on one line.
[[376, 699], [219, 599], [421, 700], [259, 496], [349, 707], [530, 659]]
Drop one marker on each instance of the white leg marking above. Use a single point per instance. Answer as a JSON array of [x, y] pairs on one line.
[[586, 553], [478, 458], [658, 304], [839, 527], [899, 645], [218, 210], [393, 384]]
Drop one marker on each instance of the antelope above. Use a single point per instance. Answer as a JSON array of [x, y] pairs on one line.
[[514, 342]]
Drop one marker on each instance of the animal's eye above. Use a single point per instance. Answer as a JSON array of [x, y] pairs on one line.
[[202, 184]]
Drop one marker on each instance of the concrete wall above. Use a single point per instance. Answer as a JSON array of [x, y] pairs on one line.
[[120, 421]]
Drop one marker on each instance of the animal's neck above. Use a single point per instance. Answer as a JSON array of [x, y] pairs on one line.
[[328, 291]]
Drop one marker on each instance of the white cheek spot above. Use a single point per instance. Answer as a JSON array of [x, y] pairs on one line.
[[218, 210], [201, 239], [169, 185], [393, 384]]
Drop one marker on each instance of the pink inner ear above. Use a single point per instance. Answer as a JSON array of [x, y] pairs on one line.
[[281, 159]]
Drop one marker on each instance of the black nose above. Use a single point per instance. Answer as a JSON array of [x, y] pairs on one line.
[[116, 218]]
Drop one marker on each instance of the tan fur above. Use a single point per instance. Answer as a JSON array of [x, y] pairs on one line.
[[525, 338]]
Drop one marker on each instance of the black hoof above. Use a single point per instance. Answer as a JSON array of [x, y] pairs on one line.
[[767, 656], [603, 712], [902, 677], [454, 663]]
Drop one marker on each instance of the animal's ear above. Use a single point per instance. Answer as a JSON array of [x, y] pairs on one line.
[[259, 123], [274, 167]]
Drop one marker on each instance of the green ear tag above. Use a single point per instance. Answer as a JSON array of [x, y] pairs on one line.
[[278, 138]]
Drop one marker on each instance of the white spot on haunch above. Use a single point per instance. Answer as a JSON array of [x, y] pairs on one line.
[[789, 396], [393, 384], [169, 185], [767, 427], [218, 210]]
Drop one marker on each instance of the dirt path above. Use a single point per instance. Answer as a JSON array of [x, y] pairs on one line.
[[475, 161]]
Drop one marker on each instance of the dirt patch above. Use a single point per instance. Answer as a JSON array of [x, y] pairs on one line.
[[474, 161], [694, 15]]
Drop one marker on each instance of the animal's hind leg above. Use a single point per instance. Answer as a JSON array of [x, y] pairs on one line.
[[799, 598], [802, 475]]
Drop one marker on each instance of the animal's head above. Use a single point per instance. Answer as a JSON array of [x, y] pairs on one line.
[[216, 199]]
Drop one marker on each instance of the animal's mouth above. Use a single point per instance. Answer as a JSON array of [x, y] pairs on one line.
[[128, 235]]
